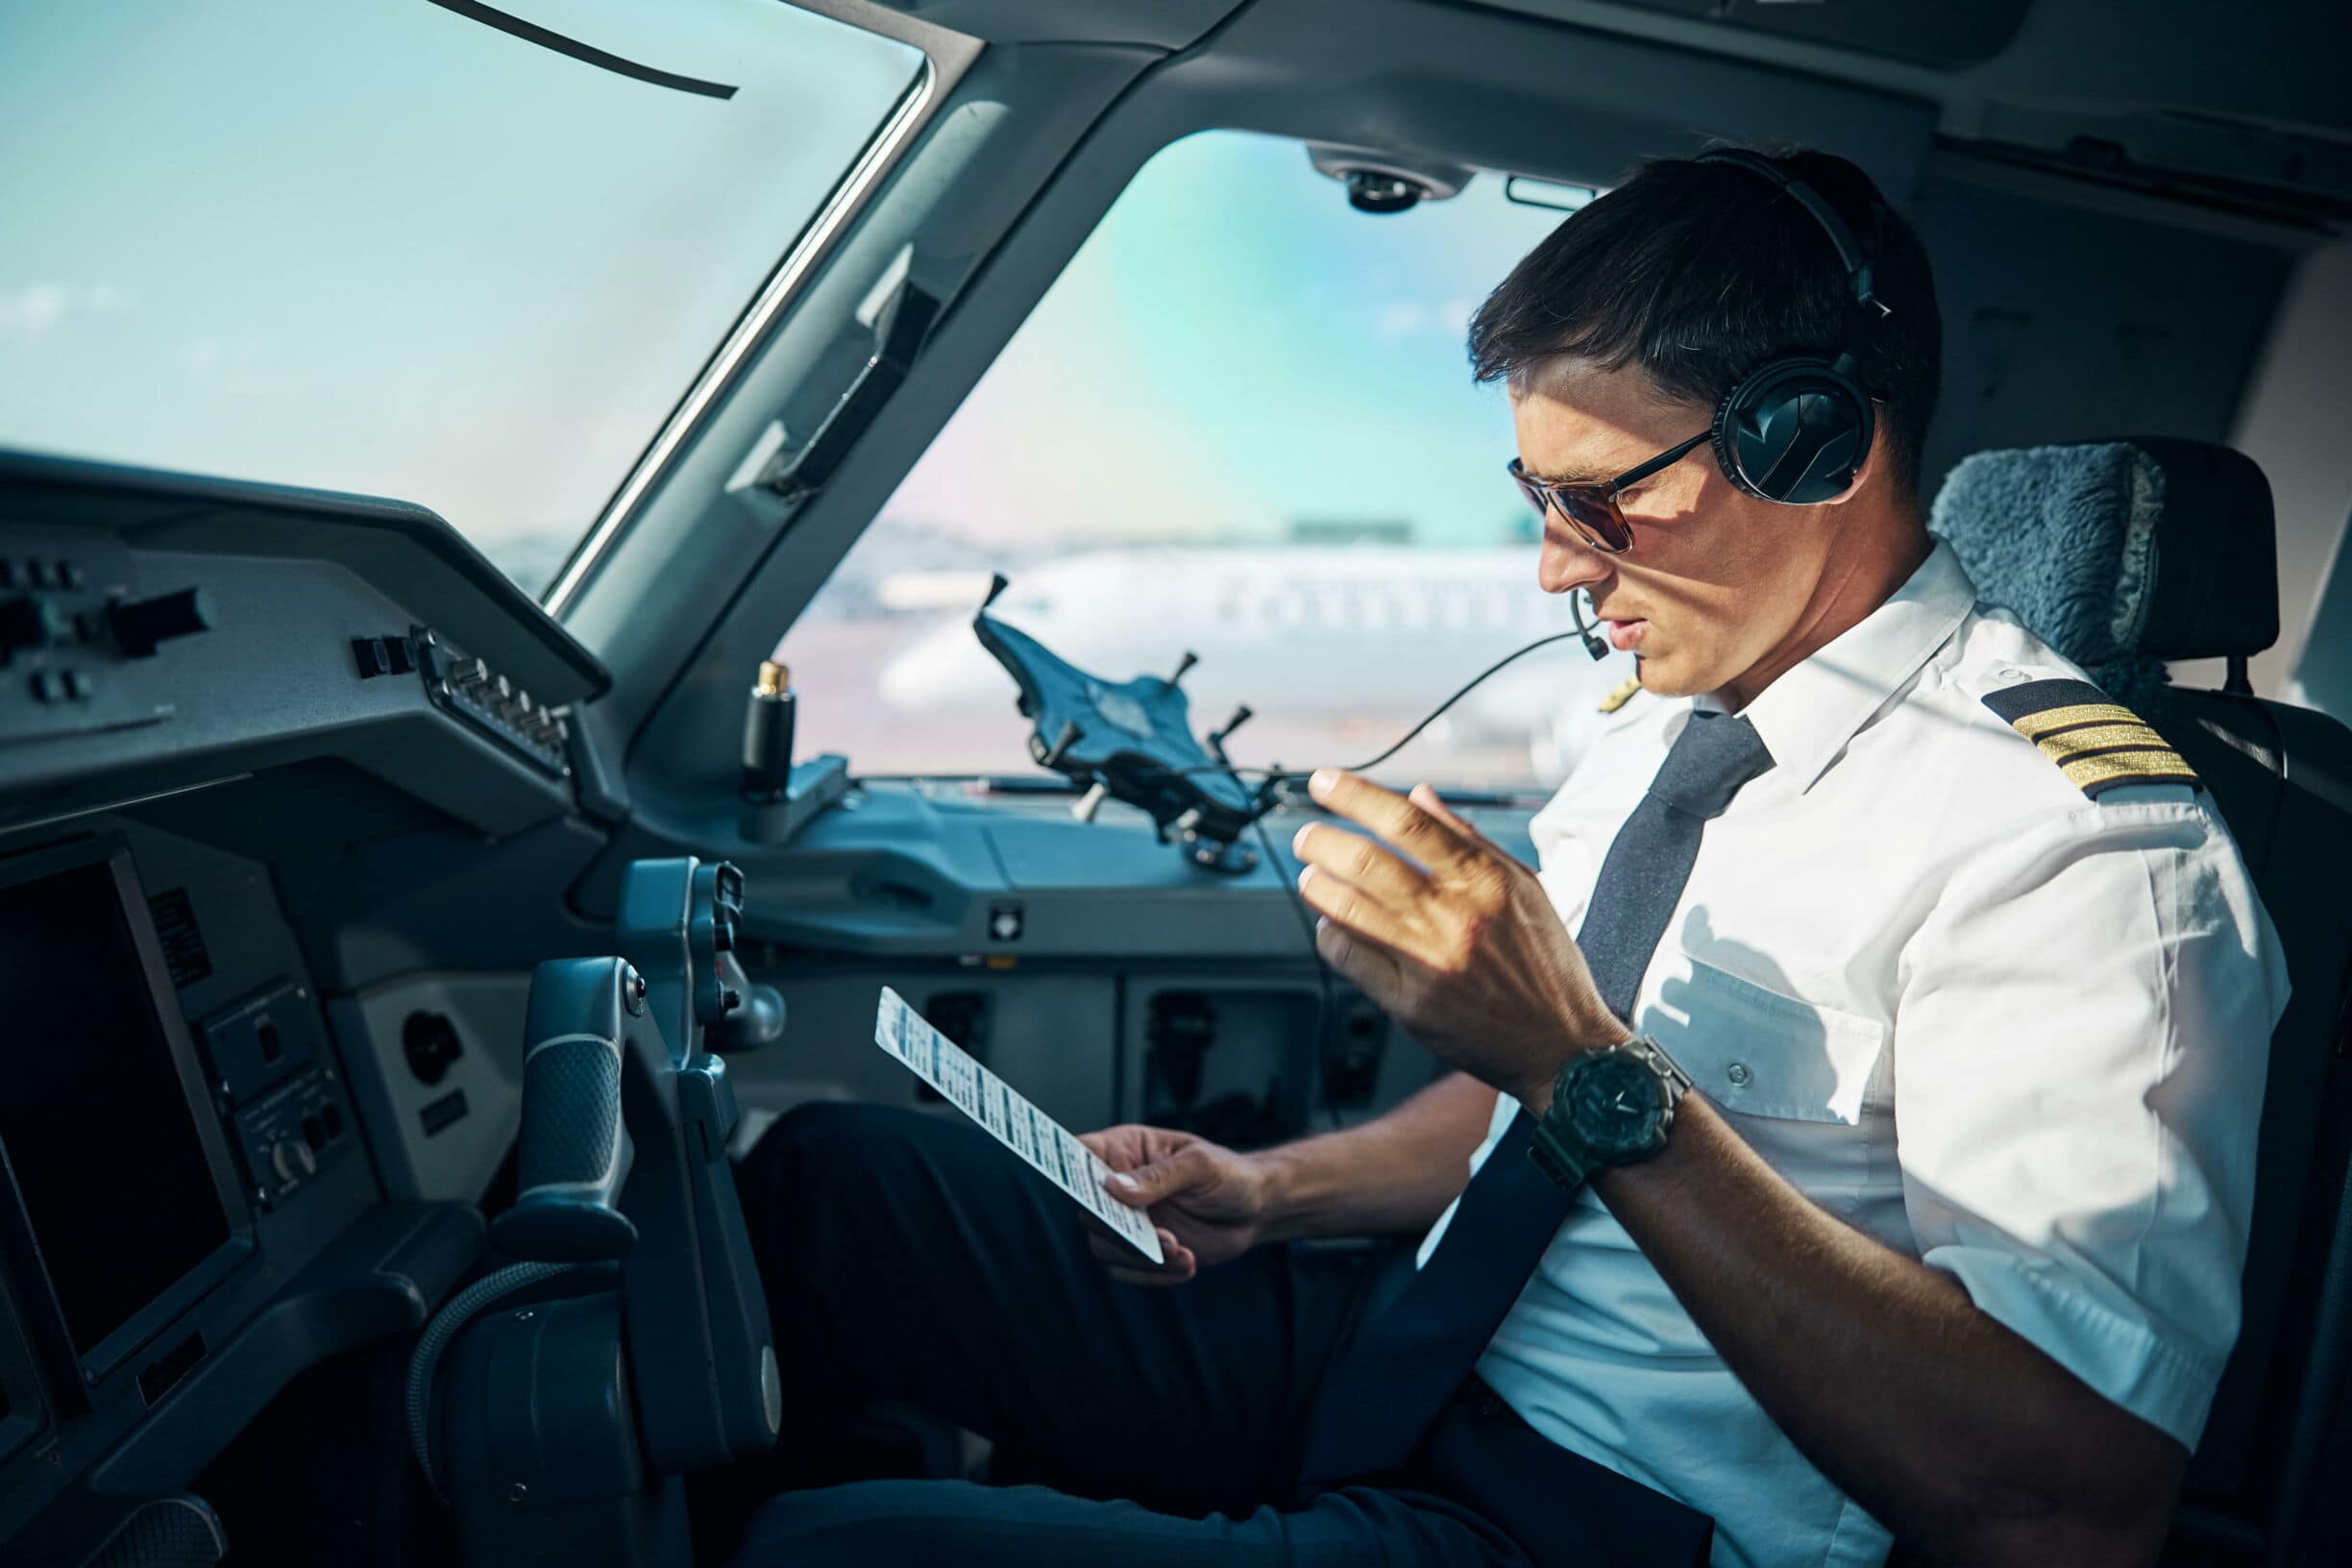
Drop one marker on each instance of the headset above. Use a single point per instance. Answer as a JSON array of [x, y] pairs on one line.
[[1796, 429]]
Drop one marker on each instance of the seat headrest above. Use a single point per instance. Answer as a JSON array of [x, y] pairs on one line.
[[2121, 552]]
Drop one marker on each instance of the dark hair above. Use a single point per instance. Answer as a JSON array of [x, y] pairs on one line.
[[1700, 273]]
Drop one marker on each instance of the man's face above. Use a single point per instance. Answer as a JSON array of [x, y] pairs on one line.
[[1717, 582]]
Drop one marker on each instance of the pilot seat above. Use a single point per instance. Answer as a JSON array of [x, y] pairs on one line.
[[2123, 555]]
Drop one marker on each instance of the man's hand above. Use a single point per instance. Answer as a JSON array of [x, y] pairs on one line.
[[1208, 1203], [1452, 935]]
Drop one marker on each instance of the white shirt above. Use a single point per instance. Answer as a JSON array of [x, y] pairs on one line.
[[2011, 1031]]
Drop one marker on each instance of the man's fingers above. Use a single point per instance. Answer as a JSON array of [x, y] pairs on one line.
[[1121, 1254], [1428, 839], [1130, 1267], [1344, 904], [1426, 797], [1127, 1187], [1148, 1276], [1356, 859], [1158, 1180], [1374, 971], [1122, 1148]]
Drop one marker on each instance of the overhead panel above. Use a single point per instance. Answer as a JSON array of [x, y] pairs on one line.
[[1944, 36]]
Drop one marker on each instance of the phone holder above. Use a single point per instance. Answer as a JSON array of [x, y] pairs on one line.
[[1131, 741]]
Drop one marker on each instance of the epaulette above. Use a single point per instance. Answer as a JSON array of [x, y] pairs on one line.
[[1622, 694], [2098, 744]]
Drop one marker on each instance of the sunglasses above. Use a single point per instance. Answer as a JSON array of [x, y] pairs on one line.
[[1590, 505]]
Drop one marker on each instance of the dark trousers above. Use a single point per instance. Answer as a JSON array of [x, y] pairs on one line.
[[910, 1257]]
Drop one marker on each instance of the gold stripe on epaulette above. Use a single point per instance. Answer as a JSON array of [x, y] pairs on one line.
[[2112, 766], [2088, 738], [1621, 694], [2034, 725]]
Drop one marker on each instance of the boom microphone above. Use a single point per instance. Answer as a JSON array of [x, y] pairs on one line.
[[1593, 644]]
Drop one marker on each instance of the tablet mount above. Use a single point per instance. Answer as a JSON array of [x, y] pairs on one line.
[[1133, 741]]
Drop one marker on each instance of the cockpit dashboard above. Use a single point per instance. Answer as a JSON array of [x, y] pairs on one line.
[[296, 789], [209, 693]]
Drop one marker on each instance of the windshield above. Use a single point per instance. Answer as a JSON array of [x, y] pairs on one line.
[[402, 247], [1241, 424]]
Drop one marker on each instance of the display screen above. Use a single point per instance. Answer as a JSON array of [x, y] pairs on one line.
[[97, 1128]]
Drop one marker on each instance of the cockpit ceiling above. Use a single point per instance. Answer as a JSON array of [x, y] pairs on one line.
[[2232, 107], [2241, 105], [1944, 36]]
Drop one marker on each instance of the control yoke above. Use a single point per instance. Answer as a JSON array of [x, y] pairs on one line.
[[623, 1156]]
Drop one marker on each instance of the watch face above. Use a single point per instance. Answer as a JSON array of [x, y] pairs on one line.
[[1615, 1104]]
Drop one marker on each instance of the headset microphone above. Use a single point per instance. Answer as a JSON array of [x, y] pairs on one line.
[[1591, 639]]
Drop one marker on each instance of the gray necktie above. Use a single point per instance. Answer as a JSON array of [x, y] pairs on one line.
[[1404, 1365]]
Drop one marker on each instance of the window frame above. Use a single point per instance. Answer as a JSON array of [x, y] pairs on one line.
[[1058, 132], [947, 57]]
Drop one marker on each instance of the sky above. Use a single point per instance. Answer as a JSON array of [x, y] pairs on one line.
[[1235, 348], [376, 246]]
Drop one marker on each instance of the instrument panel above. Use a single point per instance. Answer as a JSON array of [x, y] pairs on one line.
[[212, 695], [177, 1138], [102, 1249]]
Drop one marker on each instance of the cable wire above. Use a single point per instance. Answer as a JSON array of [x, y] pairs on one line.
[[1409, 736], [1326, 996], [1326, 999], [426, 1360], [1268, 794]]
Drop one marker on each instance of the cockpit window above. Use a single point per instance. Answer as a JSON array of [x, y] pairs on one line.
[[1240, 424], [462, 255]]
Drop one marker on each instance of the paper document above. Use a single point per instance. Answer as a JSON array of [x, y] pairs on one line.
[[1016, 1123]]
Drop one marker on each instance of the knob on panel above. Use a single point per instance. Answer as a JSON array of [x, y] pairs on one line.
[[138, 624], [292, 1158]]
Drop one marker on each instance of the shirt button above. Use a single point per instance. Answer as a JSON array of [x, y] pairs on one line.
[[1739, 1073], [2011, 675]]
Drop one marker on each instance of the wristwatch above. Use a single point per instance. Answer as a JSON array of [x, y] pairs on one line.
[[1609, 1106]]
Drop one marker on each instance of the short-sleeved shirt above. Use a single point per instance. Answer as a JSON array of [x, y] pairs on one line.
[[2008, 1029]]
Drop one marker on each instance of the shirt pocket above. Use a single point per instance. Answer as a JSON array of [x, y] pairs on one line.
[[1758, 1053]]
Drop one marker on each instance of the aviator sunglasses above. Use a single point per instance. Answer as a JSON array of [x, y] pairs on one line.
[[1590, 505]]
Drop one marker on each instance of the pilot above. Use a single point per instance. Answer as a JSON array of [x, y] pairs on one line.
[[1852, 1130]]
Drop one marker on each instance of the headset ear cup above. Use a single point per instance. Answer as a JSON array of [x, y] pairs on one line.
[[1726, 449], [1795, 431]]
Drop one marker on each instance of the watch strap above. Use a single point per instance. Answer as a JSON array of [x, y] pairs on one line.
[[1564, 1165]]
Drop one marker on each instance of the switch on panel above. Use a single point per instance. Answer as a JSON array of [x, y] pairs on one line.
[[139, 624], [28, 621], [491, 702], [74, 632]]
